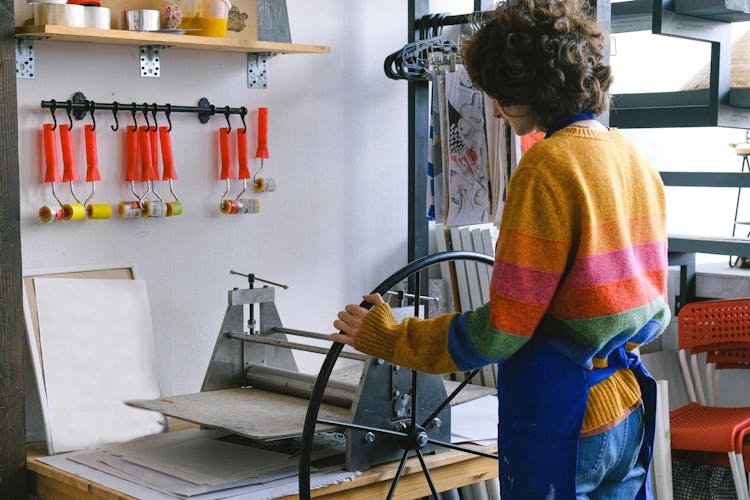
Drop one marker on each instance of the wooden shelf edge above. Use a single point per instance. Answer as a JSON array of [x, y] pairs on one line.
[[144, 38]]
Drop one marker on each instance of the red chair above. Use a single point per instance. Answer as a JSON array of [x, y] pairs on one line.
[[721, 329]]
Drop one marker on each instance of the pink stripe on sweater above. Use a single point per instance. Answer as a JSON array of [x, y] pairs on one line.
[[617, 265], [522, 283]]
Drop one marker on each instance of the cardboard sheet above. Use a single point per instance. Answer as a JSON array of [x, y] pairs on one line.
[[475, 421], [96, 342]]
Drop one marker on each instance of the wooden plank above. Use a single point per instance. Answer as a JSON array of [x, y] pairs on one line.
[[140, 38], [449, 469], [12, 446]]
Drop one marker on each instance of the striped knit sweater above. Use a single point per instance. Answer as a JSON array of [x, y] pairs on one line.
[[581, 257]]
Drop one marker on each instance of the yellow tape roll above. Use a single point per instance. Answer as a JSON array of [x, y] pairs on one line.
[[98, 211], [129, 209], [74, 211], [48, 214], [174, 208], [228, 207]]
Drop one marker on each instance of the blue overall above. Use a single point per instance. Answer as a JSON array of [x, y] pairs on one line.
[[542, 401]]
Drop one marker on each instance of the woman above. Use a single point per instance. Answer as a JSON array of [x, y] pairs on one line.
[[579, 279]]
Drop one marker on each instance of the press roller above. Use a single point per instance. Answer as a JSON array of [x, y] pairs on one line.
[[252, 386]]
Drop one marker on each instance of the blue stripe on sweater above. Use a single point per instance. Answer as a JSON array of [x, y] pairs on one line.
[[460, 347]]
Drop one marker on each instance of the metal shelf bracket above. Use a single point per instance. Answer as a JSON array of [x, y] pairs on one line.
[[257, 71], [25, 58], [150, 60]]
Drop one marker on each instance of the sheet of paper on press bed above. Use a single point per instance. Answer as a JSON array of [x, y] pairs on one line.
[[200, 457], [97, 351], [475, 421]]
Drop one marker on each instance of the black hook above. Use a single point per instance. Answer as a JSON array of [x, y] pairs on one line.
[[52, 109], [92, 108], [68, 108], [226, 115], [132, 112], [115, 108], [243, 112], [167, 113], [154, 109], [145, 115]]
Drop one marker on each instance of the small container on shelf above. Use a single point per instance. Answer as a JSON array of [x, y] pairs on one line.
[[199, 17]]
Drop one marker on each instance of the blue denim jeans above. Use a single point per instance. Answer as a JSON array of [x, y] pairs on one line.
[[608, 466]]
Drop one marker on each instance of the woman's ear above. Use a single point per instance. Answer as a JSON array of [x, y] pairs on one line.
[[496, 109]]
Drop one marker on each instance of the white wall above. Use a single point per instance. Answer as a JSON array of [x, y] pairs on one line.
[[338, 145]]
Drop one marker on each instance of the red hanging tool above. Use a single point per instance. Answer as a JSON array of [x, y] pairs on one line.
[[94, 210], [263, 184], [71, 211], [51, 174], [227, 172], [131, 209], [169, 173], [244, 205], [150, 171]]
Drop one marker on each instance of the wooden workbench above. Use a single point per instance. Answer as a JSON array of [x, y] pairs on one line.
[[449, 469]]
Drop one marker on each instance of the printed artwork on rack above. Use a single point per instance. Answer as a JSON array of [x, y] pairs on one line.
[[468, 193]]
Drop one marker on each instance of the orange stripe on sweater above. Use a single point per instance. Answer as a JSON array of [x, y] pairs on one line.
[[514, 316], [611, 298], [533, 252], [621, 233]]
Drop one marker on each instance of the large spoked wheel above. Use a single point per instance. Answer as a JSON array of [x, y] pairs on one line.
[[412, 439]]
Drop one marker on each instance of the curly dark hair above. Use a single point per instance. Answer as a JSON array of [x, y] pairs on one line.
[[548, 54]]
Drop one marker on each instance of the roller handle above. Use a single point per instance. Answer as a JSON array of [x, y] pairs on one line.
[[242, 157], [262, 151], [66, 143], [147, 167], [92, 158], [166, 154], [153, 137], [131, 155], [51, 173], [226, 161]]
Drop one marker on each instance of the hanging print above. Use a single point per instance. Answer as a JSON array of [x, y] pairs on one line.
[[468, 193]]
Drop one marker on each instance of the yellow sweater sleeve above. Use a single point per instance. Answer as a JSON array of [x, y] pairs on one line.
[[419, 344]]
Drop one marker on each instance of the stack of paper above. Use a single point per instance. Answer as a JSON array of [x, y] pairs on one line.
[[193, 463]]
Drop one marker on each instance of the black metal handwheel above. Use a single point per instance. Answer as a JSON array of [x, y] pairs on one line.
[[413, 438]]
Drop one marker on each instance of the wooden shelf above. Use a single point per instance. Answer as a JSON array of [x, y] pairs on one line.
[[144, 38]]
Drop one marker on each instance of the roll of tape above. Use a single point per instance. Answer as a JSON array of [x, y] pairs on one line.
[[265, 185], [74, 211], [49, 214], [129, 209], [97, 17], [248, 206], [229, 207], [174, 208], [154, 209], [60, 14], [141, 19], [98, 211]]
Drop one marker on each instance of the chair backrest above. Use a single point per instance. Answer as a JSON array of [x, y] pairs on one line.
[[719, 328], [714, 322]]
